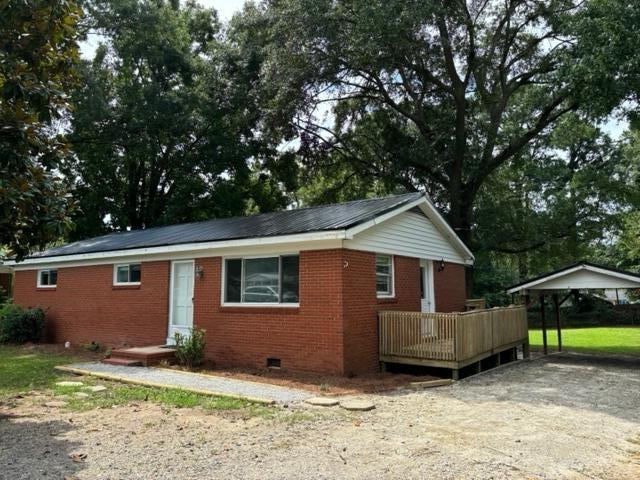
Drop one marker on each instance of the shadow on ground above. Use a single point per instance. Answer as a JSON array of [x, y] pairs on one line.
[[35, 448], [604, 384]]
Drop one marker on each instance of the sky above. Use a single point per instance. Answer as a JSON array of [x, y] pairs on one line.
[[225, 8]]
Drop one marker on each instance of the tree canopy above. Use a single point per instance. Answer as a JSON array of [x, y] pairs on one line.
[[495, 108], [164, 128], [38, 52], [438, 95]]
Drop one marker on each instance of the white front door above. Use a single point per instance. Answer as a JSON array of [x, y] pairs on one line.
[[181, 299], [427, 296]]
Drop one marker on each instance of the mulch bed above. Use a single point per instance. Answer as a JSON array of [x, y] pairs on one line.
[[318, 383]]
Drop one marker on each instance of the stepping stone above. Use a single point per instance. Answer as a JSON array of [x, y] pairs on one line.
[[96, 388], [55, 404], [81, 395], [322, 401], [357, 405], [69, 384]]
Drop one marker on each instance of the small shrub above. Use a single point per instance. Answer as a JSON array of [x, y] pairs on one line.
[[20, 325], [190, 348], [92, 347]]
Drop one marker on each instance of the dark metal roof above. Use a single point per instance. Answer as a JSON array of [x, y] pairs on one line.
[[321, 218], [572, 266]]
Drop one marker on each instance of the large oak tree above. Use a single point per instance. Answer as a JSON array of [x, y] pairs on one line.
[[438, 94]]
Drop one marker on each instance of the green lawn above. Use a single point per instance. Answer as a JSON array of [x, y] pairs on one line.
[[620, 340], [23, 370]]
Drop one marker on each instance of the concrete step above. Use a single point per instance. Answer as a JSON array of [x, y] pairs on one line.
[[123, 362], [146, 355]]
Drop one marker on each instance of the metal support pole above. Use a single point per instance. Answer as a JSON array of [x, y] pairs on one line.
[[556, 304]]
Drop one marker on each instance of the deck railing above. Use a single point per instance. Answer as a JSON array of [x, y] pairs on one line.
[[455, 337]]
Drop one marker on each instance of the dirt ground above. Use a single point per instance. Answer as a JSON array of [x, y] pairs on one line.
[[327, 385], [564, 416]]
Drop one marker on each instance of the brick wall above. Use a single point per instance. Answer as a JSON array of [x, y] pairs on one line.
[[361, 305], [85, 306], [334, 330], [450, 287], [304, 338]]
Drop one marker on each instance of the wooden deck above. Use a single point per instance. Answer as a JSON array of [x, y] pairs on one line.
[[451, 340]]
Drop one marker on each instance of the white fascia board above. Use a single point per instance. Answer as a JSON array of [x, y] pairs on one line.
[[544, 279], [603, 271], [311, 240], [432, 213]]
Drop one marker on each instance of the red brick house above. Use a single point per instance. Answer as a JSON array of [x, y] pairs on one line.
[[301, 287]]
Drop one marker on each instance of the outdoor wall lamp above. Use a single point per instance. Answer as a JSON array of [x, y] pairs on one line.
[[199, 272], [441, 266]]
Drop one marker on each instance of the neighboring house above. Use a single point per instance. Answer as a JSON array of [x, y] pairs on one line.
[[300, 287]]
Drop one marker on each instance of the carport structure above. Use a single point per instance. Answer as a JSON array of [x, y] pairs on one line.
[[569, 281]]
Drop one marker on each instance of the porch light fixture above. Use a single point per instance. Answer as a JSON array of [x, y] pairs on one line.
[[441, 266], [199, 272]]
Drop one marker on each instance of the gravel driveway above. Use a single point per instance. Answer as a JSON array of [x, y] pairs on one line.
[[563, 416]]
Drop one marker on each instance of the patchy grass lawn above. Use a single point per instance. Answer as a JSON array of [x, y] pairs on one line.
[[27, 369], [121, 394], [618, 340], [23, 369]]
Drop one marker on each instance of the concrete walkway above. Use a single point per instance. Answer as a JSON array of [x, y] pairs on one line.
[[195, 382]]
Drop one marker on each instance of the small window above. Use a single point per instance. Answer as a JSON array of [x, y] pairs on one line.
[[126, 274], [384, 275], [47, 278], [272, 280]]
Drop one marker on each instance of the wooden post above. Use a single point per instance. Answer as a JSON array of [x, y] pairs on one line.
[[543, 319], [556, 304]]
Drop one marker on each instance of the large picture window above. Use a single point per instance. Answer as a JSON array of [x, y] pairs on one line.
[[261, 280], [126, 274], [384, 275], [47, 278]]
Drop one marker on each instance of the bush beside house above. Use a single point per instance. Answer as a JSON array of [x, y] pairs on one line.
[[21, 325]]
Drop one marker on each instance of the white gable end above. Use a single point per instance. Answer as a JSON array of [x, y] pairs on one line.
[[586, 279], [410, 234]]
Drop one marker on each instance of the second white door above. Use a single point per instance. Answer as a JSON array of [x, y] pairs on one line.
[[181, 302]]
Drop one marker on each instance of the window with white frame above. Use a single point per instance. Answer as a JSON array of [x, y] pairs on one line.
[[262, 280], [126, 274], [384, 275], [47, 278]]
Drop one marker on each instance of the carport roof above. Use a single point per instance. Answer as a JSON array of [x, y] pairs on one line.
[[580, 276]]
